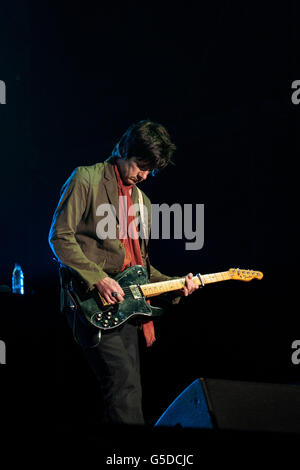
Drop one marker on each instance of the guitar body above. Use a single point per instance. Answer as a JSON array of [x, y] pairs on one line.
[[111, 316]]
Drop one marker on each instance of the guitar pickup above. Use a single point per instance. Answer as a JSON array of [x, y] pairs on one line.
[[136, 292]]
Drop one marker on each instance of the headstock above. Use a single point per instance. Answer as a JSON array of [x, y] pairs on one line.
[[245, 274]]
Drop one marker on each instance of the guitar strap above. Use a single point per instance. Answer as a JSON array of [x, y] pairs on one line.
[[142, 213], [147, 327], [144, 228]]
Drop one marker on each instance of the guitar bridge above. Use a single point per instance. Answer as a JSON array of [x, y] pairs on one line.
[[136, 292]]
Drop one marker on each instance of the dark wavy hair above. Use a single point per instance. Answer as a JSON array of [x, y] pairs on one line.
[[149, 142]]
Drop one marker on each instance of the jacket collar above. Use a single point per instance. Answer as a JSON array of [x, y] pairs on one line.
[[111, 186]]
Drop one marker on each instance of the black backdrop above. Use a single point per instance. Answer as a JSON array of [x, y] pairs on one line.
[[218, 75]]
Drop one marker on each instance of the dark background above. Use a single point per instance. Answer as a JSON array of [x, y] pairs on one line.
[[218, 75]]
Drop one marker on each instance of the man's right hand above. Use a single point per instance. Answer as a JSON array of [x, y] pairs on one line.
[[107, 287]]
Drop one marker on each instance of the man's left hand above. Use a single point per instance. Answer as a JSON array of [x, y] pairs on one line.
[[190, 286]]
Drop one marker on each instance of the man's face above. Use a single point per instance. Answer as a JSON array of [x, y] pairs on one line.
[[130, 172]]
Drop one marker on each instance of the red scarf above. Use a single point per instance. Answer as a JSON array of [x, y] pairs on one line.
[[131, 243]]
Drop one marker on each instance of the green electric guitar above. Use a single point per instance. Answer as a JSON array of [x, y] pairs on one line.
[[137, 289]]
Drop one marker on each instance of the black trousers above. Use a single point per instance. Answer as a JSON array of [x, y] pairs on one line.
[[114, 358]]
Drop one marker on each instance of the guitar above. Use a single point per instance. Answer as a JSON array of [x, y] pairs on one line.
[[137, 289]]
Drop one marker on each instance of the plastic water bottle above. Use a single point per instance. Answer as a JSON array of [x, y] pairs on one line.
[[18, 280]]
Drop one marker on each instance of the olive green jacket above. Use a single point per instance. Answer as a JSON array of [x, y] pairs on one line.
[[73, 233]]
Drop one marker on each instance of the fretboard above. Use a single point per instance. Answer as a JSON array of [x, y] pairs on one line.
[[157, 288]]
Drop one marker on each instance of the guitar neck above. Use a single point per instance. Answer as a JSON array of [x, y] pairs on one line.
[[157, 288]]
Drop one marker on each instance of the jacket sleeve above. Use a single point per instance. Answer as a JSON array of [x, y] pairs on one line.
[[62, 239]]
